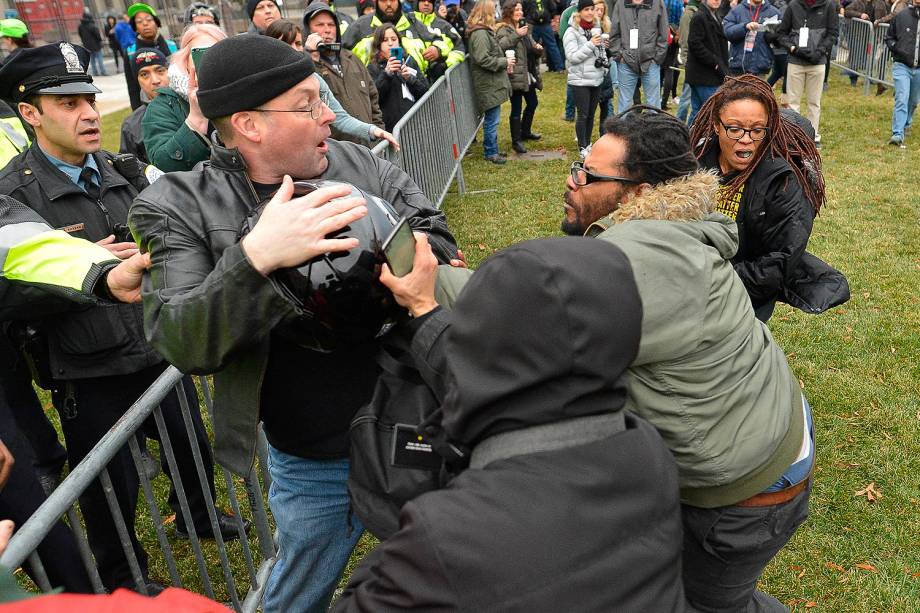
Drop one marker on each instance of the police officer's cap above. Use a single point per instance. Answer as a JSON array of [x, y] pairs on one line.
[[57, 68]]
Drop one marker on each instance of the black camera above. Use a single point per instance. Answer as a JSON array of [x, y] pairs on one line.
[[333, 47], [122, 233], [601, 62]]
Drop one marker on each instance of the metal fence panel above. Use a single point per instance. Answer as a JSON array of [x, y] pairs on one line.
[[436, 133], [861, 51], [61, 502]]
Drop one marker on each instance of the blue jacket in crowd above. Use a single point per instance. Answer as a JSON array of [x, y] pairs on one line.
[[124, 34], [760, 59]]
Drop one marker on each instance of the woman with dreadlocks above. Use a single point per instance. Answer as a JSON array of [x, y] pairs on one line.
[[772, 187]]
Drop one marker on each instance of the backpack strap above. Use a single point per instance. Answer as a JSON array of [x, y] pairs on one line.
[[547, 437]]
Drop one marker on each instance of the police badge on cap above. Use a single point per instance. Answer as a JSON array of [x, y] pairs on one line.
[[56, 68]]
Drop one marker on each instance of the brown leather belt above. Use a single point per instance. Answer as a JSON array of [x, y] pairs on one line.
[[769, 499]]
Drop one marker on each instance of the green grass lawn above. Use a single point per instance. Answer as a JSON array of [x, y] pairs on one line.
[[858, 364]]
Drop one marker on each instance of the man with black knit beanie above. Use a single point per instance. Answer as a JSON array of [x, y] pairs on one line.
[[208, 283], [262, 13]]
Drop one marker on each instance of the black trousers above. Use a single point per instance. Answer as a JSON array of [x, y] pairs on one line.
[[16, 381], [586, 99], [22, 496], [727, 548], [88, 409]]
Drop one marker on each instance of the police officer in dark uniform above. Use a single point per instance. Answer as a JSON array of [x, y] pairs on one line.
[[97, 361]]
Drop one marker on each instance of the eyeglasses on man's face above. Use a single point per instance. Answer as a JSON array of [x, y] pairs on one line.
[[315, 110], [581, 176]]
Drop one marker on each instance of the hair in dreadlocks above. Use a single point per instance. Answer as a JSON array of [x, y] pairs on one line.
[[784, 139], [657, 144]]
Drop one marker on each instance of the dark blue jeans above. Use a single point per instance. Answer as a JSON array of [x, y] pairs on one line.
[[699, 94], [545, 36]]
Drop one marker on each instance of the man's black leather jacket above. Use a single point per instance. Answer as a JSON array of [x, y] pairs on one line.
[[206, 309]]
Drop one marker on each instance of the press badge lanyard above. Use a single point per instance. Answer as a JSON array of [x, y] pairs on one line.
[[751, 36]]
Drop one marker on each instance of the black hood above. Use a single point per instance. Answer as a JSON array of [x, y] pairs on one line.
[[312, 9], [541, 333]]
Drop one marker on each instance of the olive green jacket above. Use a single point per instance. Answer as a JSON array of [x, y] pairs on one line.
[[708, 374], [489, 69]]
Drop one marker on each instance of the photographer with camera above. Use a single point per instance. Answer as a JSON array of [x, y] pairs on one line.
[[344, 73], [587, 63], [513, 34], [398, 78]]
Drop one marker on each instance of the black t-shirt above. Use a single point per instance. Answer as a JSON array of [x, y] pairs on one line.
[[309, 398], [728, 204]]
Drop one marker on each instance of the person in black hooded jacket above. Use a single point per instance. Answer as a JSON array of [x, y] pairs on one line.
[[569, 502]]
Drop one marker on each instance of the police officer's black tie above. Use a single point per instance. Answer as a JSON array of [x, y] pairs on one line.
[[91, 189]]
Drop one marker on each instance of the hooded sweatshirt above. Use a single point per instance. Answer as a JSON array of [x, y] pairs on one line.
[[541, 334]]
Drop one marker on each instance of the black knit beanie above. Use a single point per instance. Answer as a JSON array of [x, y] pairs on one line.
[[583, 4], [251, 7], [242, 72]]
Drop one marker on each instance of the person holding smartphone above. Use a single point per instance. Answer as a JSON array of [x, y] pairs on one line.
[[399, 80], [176, 134], [513, 34]]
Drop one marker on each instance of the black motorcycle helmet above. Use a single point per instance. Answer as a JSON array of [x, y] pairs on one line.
[[339, 295]]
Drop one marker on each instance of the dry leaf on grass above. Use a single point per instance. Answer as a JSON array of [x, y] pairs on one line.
[[867, 566], [834, 566], [169, 519], [811, 604], [871, 492]]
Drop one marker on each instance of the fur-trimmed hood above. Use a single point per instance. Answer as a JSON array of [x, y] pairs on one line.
[[689, 198]]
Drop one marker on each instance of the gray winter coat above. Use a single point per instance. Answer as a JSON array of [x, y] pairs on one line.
[[580, 55], [651, 19]]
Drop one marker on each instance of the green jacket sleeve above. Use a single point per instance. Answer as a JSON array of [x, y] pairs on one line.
[[44, 270], [171, 144]]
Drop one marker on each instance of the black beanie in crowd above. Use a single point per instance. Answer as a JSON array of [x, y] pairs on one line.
[[242, 72], [251, 7], [582, 4]]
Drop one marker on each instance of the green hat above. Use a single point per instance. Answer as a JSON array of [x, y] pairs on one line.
[[140, 7], [13, 28]]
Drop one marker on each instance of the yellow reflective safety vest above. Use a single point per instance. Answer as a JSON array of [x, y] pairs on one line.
[[13, 139], [414, 37]]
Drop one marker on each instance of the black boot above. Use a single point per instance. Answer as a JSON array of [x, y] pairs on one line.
[[526, 124], [516, 135]]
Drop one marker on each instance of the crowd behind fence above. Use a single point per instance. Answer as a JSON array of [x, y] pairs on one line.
[[861, 51], [436, 133]]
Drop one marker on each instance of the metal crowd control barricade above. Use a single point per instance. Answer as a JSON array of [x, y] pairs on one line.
[[883, 64], [61, 503], [436, 133], [858, 49]]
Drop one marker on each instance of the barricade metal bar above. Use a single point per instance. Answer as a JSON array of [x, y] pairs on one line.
[[231, 492], [86, 554], [154, 512], [28, 537], [259, 516], [262, 453], [122, 529], [38, 569], [208, 499], [166, 446], [253, 600]]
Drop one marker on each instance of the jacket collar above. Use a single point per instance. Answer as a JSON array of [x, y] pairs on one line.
[[227, 158], [56, 184], [688, 198]]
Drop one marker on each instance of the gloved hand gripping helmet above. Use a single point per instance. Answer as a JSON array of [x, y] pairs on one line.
[[339, 296]]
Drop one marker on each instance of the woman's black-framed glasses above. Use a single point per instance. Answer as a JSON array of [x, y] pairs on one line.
[[737, 132], [581, 176], [315, 110]]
